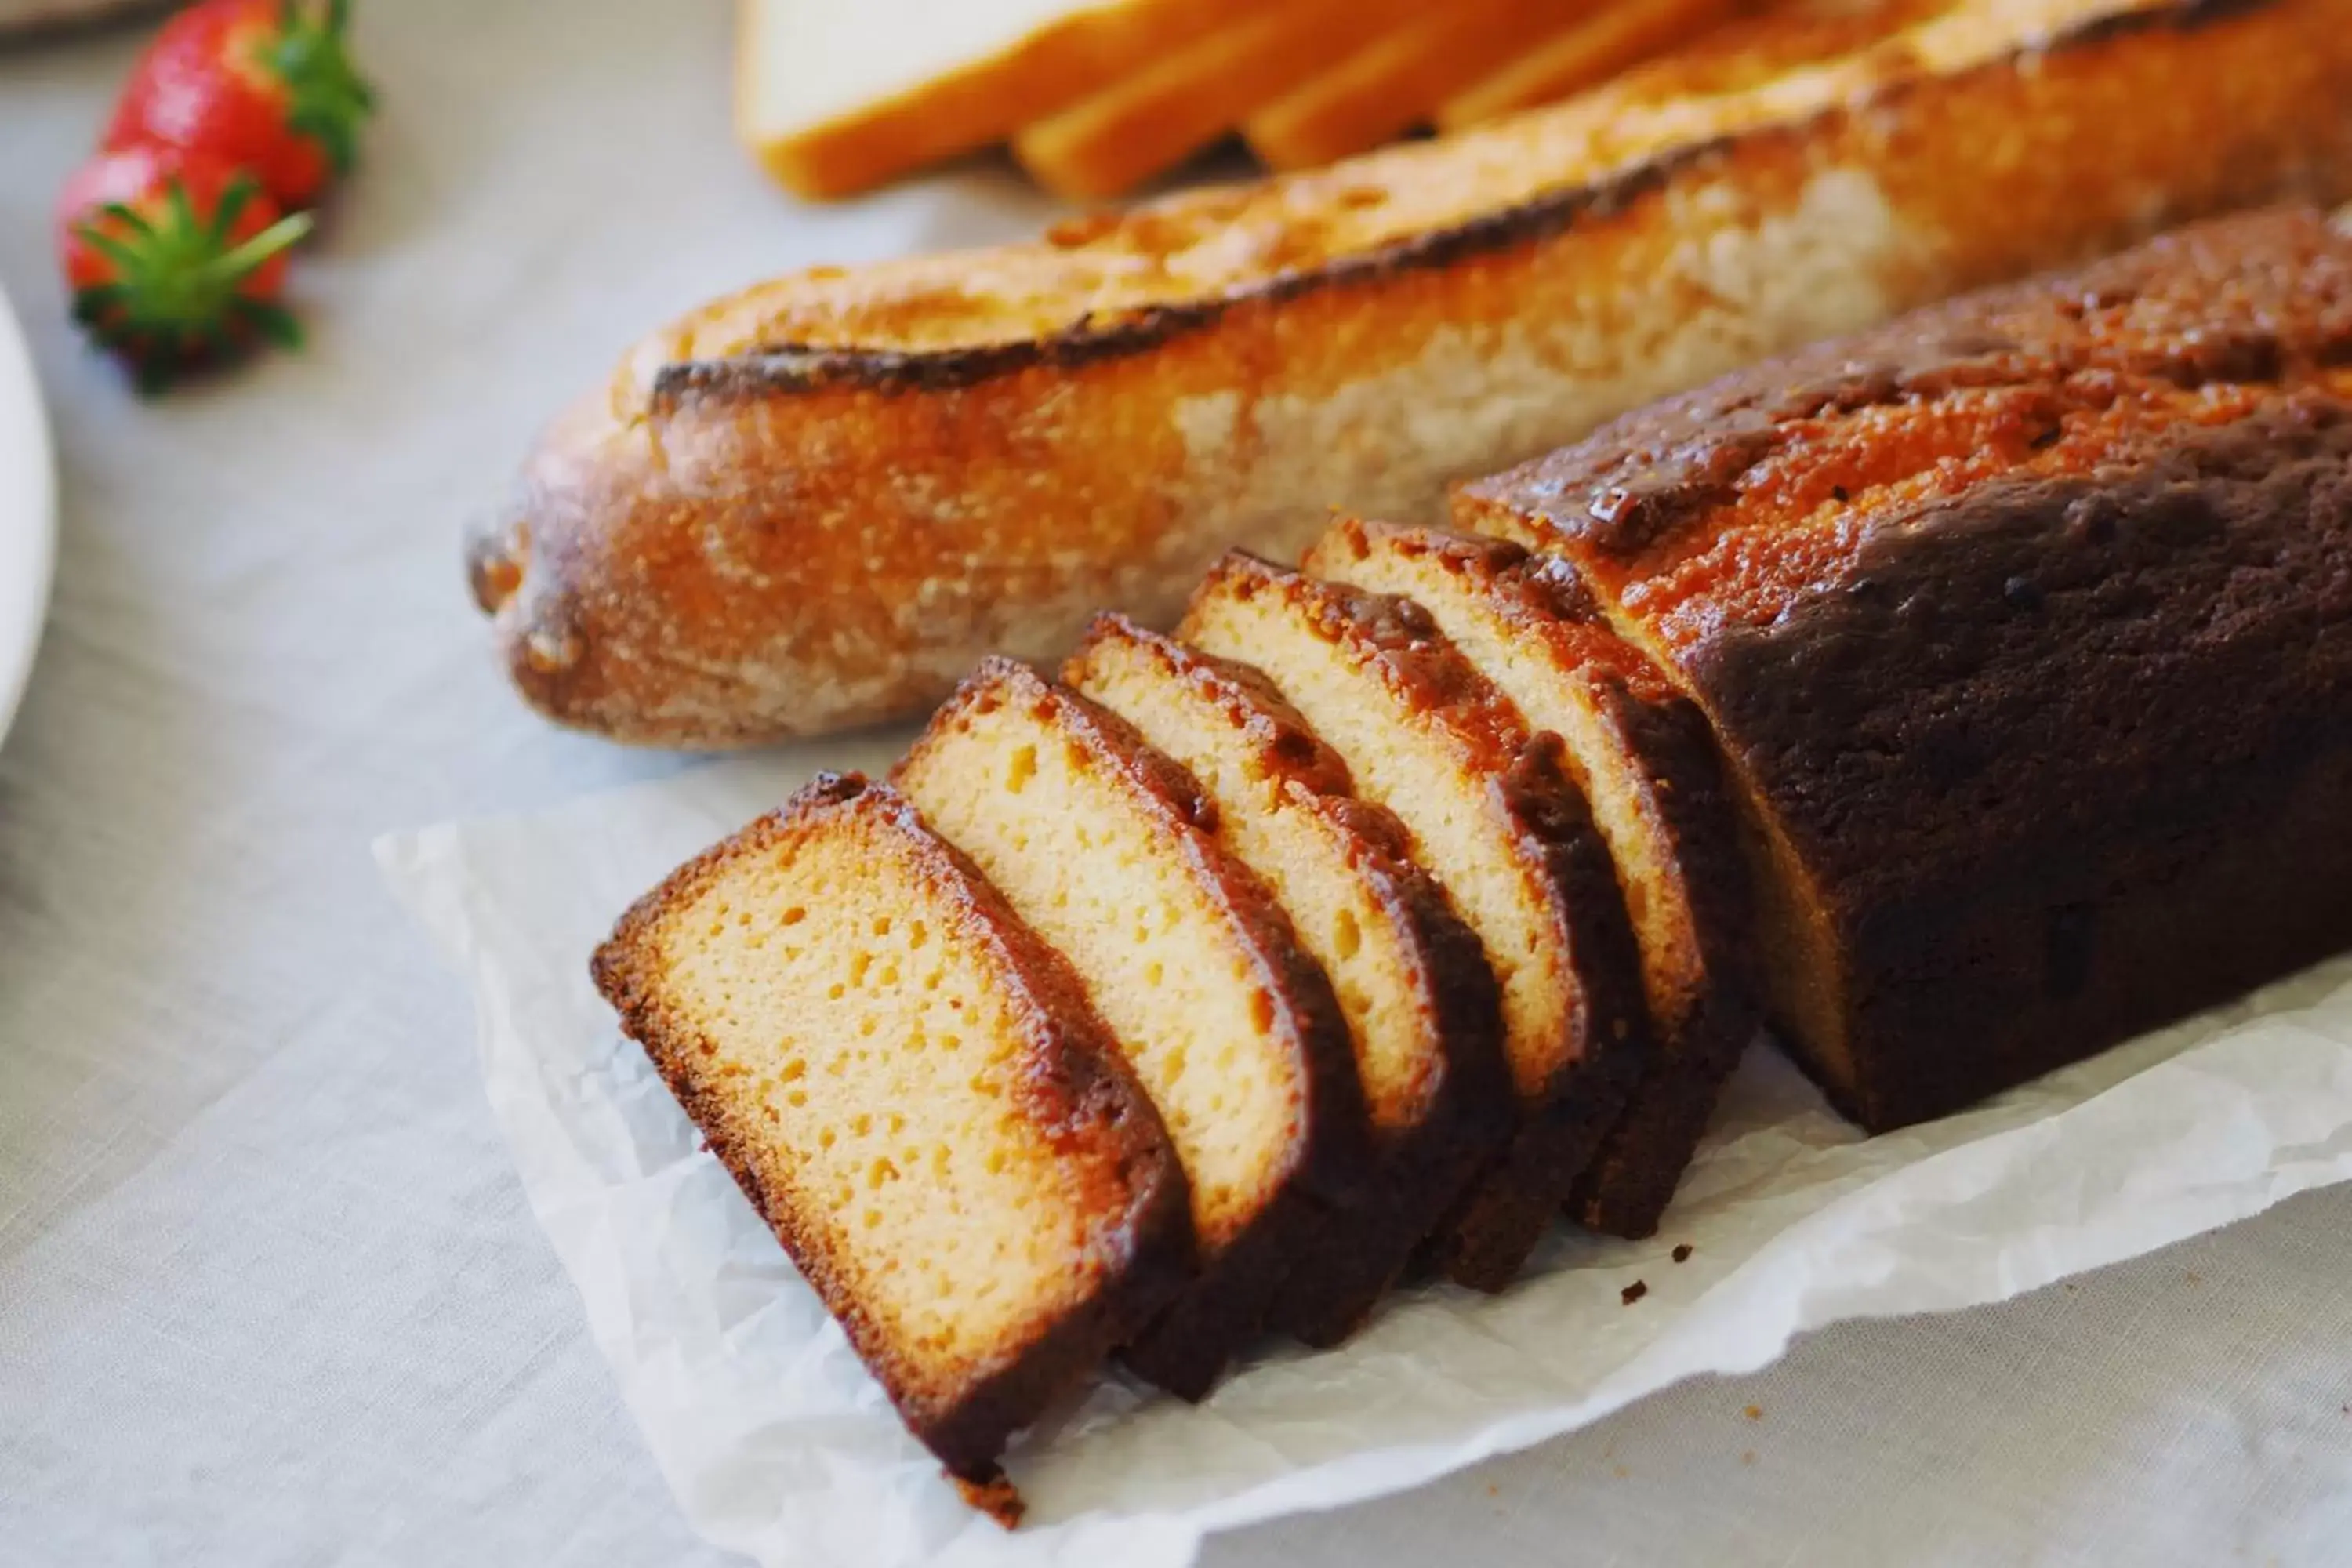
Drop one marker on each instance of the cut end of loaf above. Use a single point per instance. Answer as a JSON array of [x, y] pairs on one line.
[[1285, 807], [1530, 626], [1104, 846], [913, 1092], [1421, 1001], [1644, 756], [1425, 737], [1502, 827]]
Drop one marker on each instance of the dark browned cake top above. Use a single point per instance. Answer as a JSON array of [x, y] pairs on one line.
[[1730, 504], [2009, 568]]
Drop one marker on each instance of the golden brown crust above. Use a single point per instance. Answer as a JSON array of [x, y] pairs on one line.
[[815, 505], [1459, 1112], [1654, 747], [1070, 1078], [1714, 1018], [1521, 781], [1507, 1214], [1186, 1348], [2024, 626]]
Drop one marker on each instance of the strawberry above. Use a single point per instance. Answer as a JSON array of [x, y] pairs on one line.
[[175, 260], [265, 85]]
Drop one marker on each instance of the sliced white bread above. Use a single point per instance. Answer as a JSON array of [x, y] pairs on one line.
[[1146, 125], [1613, 38], [1387, 83], [834, 97]]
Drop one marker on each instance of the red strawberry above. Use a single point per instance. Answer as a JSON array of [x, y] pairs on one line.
[[175, 260], [265, 85]]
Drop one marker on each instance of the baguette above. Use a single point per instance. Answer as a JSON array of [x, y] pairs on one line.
[[814, 504]]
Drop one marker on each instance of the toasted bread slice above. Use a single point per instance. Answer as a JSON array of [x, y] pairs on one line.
[[912, 1090], [1109, 850], [1413, 980], [1586, 53], [1386, 84], [1147, 124], [1646, 761], [1494, 817], [833, 98]]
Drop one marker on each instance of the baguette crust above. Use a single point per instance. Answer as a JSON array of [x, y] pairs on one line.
[[2026, 625], [814, 504]]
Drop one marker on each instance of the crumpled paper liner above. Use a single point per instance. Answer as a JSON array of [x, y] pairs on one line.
[[778, 1445]]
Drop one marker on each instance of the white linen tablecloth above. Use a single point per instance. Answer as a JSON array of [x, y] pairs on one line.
[[269, 1292]]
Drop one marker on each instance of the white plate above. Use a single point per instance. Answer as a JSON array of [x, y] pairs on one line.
[[28, 514]]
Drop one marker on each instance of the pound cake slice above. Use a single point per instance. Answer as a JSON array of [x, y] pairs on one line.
[[912, 1090], [2026, 627], [1646, 761], [1412, 980], [1109, 849], [1495, 818]]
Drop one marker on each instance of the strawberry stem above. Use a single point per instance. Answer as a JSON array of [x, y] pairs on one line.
[[231, 264], [177, 294], [325, 98]]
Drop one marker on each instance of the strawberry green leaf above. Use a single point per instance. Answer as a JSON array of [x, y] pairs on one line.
[[177, 292], [234, 197], [325, 98], [130, 217]]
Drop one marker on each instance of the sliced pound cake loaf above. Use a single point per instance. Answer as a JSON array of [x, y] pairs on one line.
[[1646, 761], [913, 1091], [1109, 850], [1420, 1002], [2025, 627], [1494, 817]]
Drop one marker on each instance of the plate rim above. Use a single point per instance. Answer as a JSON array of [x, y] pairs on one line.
[[28, 515]]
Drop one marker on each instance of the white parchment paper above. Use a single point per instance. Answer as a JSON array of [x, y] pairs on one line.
[[778, 1445]]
